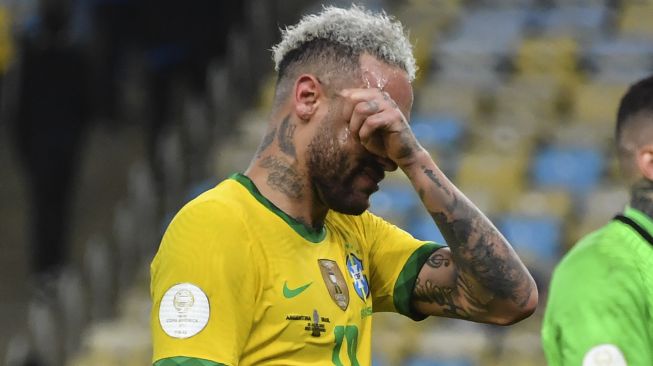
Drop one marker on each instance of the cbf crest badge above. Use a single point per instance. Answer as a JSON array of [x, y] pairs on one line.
[[355, 268], [335, 282]]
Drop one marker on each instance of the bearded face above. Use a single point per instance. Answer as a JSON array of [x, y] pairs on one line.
[[342, 173]]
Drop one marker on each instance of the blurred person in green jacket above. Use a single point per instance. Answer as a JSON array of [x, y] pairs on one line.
[[600, 306]]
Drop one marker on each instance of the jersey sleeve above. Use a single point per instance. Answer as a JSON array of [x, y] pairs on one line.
[[596, 312], [396, 260], [203, 286]]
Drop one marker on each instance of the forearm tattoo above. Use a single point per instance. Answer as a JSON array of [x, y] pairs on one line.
[[443, 296], [437, 260], [478, 249], [446, 297]]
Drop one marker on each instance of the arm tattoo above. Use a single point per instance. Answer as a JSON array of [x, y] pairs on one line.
[[448, 297], [443, 296], [429, 173], [286, 134], [437, 260], [283, 177], [267, 141], [478, 248], [409, 144]]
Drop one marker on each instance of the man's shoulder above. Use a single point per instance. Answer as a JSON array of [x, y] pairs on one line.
[[225, 199], [609, 238], [607, 248]]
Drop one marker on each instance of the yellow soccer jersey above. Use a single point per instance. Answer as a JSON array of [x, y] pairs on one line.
[[238, 282]]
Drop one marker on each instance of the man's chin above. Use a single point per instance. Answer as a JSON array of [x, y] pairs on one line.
[[352, 206]]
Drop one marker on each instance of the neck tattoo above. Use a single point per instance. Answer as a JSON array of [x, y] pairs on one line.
[[642, 196]]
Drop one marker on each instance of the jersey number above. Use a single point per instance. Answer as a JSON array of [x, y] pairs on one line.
[[349, 333]]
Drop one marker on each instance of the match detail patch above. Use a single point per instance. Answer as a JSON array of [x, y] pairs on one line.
[[184, 310], [604, 355]]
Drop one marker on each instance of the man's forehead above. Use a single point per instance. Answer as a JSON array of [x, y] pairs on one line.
[[389, 78]]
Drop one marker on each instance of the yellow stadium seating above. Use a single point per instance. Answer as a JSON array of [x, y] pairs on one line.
[[447, 98], [596, 103], [493, 178], [635, 20], [555, 202], [554, 57]]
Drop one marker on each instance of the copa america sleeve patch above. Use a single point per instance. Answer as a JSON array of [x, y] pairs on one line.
[[604, 355], [184, 310]]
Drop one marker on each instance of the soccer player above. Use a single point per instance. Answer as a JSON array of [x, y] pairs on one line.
[[283, 264], [600, 306]]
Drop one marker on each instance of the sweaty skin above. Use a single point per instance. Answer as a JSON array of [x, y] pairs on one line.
[[331, 150], [484, 280]]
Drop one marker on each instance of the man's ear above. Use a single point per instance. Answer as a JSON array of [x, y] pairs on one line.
[[307, 94], [645, 161]]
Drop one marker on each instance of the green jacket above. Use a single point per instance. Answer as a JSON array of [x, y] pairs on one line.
[[600, 305]]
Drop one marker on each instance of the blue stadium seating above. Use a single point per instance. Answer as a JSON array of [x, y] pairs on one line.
[[577, 169], [423, 227], [438, 132], [533, 237]]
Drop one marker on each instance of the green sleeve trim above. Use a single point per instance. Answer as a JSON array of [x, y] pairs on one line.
[[186, 361], [314, 236], [405, 284]]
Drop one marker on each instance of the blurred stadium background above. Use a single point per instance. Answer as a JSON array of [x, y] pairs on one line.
[[516, 100]]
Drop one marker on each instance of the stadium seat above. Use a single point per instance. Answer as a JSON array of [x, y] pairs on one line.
[[500, 176], [394, 202], [635, 20], [550, 202], [482, 39], [577, 169], [553, 57], [583, 22], [512, 134], [596, 103], [423, 227], [449, 98], [575, 133], [429, 18], [620, 61], [499, 26], [438, 132], [536, 94], [536, 238]]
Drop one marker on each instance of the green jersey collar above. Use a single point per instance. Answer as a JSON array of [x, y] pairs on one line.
[[640, 218], [314, 236]]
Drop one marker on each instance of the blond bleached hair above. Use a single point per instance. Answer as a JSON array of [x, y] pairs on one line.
[[353, 31]]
